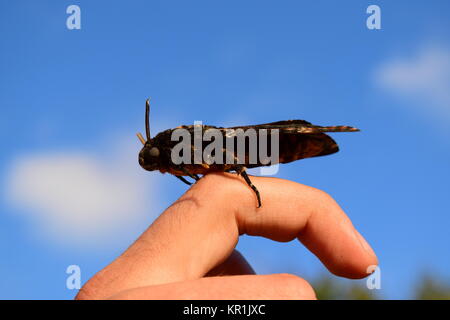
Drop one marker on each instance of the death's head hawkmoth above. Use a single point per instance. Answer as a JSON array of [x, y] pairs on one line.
[[234, 148]]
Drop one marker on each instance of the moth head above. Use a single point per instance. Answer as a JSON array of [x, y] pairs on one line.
[[149, 157]]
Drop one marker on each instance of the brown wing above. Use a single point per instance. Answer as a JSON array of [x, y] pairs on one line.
[[301, 146], [298, 139], [299, 126], [278, 124]]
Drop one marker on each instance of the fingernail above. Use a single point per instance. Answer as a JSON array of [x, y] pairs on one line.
[[364, 244]]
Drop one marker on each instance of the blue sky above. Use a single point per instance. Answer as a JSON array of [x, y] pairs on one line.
[[72, 101]]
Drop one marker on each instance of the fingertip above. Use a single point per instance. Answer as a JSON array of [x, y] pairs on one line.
[[358, 260], [371, 258]]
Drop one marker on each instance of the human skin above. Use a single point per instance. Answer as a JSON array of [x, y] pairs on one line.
[[189, 251]]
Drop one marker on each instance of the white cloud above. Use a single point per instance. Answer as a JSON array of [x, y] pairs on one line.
[[81, 198], [423, 79]]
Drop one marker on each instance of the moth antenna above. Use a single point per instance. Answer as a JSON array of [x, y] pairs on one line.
[[147, 119], [141, 138]]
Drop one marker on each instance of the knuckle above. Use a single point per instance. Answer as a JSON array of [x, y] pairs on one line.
[[325, 199], [213, 185], [209, 180], [211, 188], [324, 195]]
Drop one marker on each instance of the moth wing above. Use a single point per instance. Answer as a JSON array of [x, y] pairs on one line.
[[298, 126], [277, 125], [298, 139], [301, 146]]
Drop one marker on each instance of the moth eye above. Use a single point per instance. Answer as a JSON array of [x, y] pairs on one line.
[[154, 152]]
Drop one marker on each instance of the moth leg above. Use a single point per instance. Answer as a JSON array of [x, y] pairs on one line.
[[241, 170], [184, 180], [193, 176]]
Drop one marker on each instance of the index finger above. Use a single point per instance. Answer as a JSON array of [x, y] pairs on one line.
[[201, 229]]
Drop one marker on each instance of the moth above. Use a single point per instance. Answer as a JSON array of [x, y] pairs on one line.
[[296, 139]]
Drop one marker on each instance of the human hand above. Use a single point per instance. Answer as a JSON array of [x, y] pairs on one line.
[[188, 252]]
